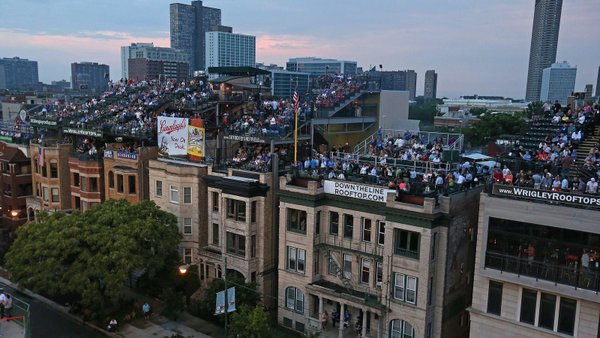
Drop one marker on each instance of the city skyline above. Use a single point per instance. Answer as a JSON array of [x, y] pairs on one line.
[[429, 36]]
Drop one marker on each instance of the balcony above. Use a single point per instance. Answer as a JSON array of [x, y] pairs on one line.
[[360, 247], [567, 274]]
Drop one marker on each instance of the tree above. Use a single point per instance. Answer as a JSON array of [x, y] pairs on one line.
[[90, 255], [250, 322], [174, 303], [490, 126], [245, 294], [535, 108]]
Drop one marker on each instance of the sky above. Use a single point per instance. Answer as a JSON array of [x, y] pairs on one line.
[[476, 46]]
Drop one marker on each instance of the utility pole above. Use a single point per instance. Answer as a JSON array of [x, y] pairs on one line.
[[226, 299]]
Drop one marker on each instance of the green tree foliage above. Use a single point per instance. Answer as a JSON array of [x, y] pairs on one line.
[[423, 112], [245, 294], [90, 255], [490, 126], [250, 322], [174, 303], [534, 109]]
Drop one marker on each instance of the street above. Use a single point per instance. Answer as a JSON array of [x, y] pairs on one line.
[[47, 322]]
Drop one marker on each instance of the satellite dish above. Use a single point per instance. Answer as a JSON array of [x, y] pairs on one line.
[[23, 114]]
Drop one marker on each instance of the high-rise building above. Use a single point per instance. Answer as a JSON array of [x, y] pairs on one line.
[[318, 66], [89, 76], [598, 84], [558, 82], [17, 73], [589, 90], [189, 24], [411, 84], [151, 53], [226, 49], [430, 91], [544, 40]]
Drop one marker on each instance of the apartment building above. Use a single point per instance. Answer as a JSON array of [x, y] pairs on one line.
[[86, 180], [50, 177], [398, 265], [126, 172], [536, 268], [177, 187]]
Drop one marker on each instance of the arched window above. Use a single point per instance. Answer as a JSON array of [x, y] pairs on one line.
[[401, 329], [294, 299]]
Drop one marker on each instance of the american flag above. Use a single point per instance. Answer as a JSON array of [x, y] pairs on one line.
[[296, 101]]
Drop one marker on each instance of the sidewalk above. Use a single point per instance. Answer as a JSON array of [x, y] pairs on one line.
[[158, 326]]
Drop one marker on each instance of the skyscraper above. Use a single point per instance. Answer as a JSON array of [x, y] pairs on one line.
[[558, 82], [189, 24], [17, 73], [430, 91], [89, 76], [151, 53], [411, 84], [544, 40], [226, 49]]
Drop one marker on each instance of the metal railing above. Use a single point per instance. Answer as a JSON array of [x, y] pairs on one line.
[[418, 166], [366, 248], [450, 141], [566, 274], [21, 315]]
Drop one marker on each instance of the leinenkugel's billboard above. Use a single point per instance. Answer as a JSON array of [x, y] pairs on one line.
[[180, 136]]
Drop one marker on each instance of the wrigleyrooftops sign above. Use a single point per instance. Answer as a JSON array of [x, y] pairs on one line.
[[545, 195], [355, 190]]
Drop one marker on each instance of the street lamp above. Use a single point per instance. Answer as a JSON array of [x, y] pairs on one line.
[[14, 213], [184, 268]]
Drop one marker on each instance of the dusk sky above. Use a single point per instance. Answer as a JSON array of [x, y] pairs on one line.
[[476, 46]]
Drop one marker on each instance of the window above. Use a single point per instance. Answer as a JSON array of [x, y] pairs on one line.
[[187, 226], [381, 232], [174, 196], [187, 256], [401, 329], [430, 291], [120, 183], [365, 270], [546, 311], [405, 288], [131, 181], [236, 210], [566, 315], [253, 246], [296, 259], [296, 220], [332, 268], [347, 266], [253, 212], [236, 244], [44, 170], [433, 245], [366, 229], [83, 183], [159, 188], [93, 184], [35, 165], [379, 275], [187, 195], [55, 195], [406, 243], [495, 298], [215, 201], [348, 226], [528, 305], [317, 258], [53, 169], [294, 300], [334, 221], [76, 179], [548, 307], [111, 179], [318, 223], [215, 234]]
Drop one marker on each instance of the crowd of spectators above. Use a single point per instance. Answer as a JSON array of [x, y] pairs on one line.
[[408, 147], [333, 89]]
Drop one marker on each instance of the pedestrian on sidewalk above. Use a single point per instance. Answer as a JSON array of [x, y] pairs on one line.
[[8, 305], [146, 309], [2, 302]]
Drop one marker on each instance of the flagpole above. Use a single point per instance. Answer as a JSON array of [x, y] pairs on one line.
[[296, 137]]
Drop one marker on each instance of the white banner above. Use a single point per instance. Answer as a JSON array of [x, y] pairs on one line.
[[355, 190], [172, 135]]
